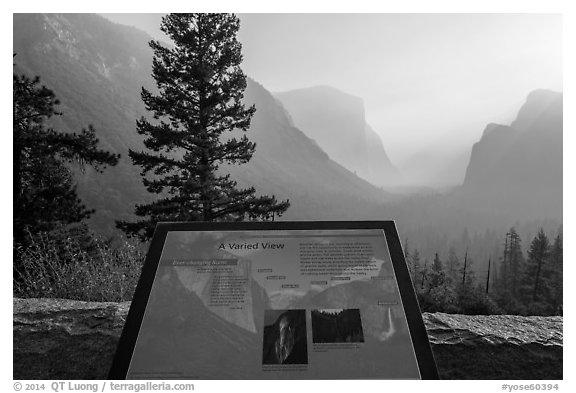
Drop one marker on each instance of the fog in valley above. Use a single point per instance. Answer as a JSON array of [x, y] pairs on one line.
[[449, 124], [430, 83]]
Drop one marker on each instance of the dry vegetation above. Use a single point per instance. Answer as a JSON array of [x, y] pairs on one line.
[[83, 268]]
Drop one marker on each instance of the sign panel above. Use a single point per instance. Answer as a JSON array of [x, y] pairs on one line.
[[289, 300]]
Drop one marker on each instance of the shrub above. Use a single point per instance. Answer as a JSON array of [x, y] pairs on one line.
[[78, 265], [473, 301]]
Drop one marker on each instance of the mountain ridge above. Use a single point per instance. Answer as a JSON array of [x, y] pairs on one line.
[[322, 112], [517, 165], [97, 69]]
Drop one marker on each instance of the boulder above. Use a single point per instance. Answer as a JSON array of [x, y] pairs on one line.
[[495, 346], [65, 339], [70, 339]]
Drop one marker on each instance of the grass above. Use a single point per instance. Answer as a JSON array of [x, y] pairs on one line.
[[89, 269]]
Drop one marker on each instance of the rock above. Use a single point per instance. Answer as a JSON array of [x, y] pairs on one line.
[[496, 346], [65, 339], [516, 169], [70, 339]]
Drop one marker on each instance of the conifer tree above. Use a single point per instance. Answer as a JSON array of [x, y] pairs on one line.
[[536, 266], [415, 265], [511, 268], [467, 279], [516, 263], [488, 275], [453, 267], [44, 192], [436, 277], [504, 267], [423, 274], [556, 275], [465, 269], [439, 290], [407, 256], [201, 86]]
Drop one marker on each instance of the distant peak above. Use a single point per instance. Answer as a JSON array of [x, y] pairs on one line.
[[543, 94], [321, 90], [327, 88], [493, 127], [538, 103]]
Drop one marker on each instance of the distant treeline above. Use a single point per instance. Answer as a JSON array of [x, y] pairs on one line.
[[513, 283], [57, 254], [337, 327]]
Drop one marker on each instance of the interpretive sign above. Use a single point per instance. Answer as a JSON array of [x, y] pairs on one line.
[[274, 300]]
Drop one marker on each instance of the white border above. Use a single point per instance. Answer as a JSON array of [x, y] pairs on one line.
[[414, 6]]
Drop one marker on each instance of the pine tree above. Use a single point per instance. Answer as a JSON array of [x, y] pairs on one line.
[[511, 270], [467, 279], [516, 263], [409, 260], [407, 256], [453, 266], [465, 269], [556, 275], [440, 293], [488, 275], [436, 277], [44, 191], [424, 274], [504, 266], [415, 264], [200, 86], [536, 266]]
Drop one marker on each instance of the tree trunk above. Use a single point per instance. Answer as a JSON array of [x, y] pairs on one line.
[[488, 276], [537, 279], [464, 270]]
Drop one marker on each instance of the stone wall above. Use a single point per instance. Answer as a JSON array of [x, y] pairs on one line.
[[496, 346], [69, 339]]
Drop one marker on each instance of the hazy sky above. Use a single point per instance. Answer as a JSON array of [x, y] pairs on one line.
[[428, 81]]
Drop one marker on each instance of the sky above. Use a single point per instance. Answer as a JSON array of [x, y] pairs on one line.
[[429, 82]]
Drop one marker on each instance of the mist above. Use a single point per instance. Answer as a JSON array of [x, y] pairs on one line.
[[430, 83], [447, 127]]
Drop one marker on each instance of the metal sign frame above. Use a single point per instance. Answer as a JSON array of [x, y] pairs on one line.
[[421, 345]]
